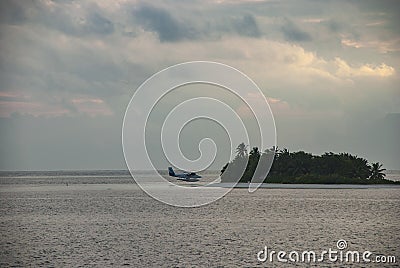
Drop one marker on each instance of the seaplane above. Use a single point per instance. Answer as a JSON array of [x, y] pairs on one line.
[[185, 176]]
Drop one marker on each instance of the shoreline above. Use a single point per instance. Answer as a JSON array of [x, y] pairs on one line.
[[306, 186], [133, 186]]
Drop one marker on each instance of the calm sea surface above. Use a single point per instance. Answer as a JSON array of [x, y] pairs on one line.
[[71, 219]]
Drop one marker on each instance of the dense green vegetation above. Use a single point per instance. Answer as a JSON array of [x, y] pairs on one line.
[[302, 167]]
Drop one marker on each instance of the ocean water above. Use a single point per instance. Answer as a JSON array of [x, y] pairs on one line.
[[72, 219]]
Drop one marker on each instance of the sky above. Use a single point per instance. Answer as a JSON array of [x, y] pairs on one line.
[[68, 69]]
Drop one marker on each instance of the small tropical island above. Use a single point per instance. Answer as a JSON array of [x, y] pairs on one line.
[[305, 168]]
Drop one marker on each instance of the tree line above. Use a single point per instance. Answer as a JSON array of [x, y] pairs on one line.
[[303, 167]]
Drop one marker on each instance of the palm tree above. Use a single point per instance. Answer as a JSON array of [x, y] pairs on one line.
[[377, 171], [255, 153], [241, 150]]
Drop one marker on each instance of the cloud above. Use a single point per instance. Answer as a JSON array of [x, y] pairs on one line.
[[345, 70], [13, 12], [333, 25], [314, 20], [160, 21], [292, 32], [78, 19], [98, 24], [381, 46], [110, 68], [247, 26], [170, 27]]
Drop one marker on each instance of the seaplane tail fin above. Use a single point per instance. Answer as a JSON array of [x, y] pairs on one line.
[[171, 172]]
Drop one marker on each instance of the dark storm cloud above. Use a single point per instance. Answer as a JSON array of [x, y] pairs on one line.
[[292, 32], [58, 17], [92, 24], [247, 26], [159, 20], [12, 12], [390, 6], [98, 24], [173, 28], [333, 25]]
